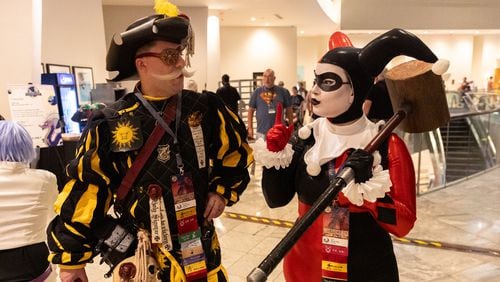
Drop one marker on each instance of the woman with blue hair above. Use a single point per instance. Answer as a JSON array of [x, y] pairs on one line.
[[26, 197]]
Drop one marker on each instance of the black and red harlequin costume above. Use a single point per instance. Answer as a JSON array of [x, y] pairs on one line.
[[321, 148]]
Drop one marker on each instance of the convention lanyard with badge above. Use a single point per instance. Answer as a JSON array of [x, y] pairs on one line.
[[335, 239], [193, 256]]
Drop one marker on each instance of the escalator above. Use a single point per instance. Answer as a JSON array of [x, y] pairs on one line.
[[463, 154]]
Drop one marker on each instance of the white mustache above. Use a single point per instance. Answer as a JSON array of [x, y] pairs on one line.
[[173, 75]]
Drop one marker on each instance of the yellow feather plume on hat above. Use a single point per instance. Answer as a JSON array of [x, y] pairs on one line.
[[166, 8]]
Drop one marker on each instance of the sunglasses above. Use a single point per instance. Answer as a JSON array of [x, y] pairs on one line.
[[329, 81], [168, 56]]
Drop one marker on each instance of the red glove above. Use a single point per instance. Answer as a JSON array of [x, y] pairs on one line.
[[277, 137]]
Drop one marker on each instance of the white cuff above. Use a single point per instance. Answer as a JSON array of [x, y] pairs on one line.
[[374, 188], [281, 159]]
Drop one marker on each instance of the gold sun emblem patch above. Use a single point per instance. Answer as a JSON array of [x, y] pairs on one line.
[[125, 135]]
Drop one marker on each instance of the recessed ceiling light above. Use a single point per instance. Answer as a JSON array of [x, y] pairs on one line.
[[301, 32], [267, 24], [253, 19]]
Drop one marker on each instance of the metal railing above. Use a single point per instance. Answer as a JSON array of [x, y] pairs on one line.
[[432, 152]]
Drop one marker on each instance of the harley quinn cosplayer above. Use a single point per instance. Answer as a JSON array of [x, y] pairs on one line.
[[350, 240]]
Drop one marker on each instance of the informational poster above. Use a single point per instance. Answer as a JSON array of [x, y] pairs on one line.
[[35, 108]]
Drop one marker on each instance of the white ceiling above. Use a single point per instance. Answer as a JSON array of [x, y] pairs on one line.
[[305, 15], [310, 20]]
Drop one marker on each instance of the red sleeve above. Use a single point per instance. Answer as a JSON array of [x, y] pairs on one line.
[[396, 213]]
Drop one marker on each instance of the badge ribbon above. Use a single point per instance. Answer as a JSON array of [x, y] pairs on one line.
[[160, 230], [335, 239], [193, 256]]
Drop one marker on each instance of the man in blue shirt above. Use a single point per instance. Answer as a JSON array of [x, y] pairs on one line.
[[264, 101]]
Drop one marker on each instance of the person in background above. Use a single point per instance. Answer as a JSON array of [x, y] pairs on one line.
[[263, 101], [302, 89], [490, 85], [377, 105], [228, 94], [465, 86], [169, 160], [26, 195], [192, 85], [298, 108]]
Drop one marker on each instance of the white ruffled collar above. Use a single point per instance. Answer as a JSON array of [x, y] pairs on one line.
[[332, 140], [350, 129]]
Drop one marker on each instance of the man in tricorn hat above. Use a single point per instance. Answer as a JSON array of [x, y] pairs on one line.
[[168, 160]]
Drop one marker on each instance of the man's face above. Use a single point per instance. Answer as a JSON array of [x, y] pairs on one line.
[[268, 79], [163, 66], [333, 93]]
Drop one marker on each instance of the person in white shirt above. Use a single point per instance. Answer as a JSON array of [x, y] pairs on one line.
[[26, 199]]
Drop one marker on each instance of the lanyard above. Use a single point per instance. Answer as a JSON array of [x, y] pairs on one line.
[[165, 126]]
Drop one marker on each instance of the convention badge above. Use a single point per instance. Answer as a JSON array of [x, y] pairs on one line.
[[193, 259], [193, 256], [194, 121], [191, 248], [184, 202], [335, 241], [163, 153], [271, 109], [126, 133], [196, 270], [185, 213], [189, 236], [160, 230], [182, 188], [187, 224]]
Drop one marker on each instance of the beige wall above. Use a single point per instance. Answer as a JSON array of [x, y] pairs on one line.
[[17, 48], [73, 34], [419, 14], [309, 51], [471, 56], [245, 50]]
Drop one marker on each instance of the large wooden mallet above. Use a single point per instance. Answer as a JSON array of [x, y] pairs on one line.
[[419, 102]]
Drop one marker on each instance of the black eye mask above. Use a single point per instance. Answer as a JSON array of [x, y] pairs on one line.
[[329, 81]]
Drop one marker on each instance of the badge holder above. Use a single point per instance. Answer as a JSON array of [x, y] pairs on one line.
[[335, 239]]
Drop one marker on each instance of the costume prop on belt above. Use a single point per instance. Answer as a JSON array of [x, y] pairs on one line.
[[348, 239]]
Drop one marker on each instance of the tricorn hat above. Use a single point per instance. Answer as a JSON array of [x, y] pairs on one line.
[[123, 47]]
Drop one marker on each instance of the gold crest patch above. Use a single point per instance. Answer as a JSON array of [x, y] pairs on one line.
[[163, 153]]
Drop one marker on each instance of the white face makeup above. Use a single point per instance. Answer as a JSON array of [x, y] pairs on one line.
[[333, 94]]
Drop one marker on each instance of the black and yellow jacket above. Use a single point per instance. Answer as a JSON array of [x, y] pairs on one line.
[[97, 170]]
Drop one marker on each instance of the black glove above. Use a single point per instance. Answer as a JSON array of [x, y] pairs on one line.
[[361, 162]]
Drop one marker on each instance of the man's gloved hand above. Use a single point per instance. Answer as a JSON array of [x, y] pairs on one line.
[[361, 162], [277, 137]]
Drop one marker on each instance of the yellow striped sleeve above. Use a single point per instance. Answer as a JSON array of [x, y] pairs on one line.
[[86, 205], [224, 139]]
